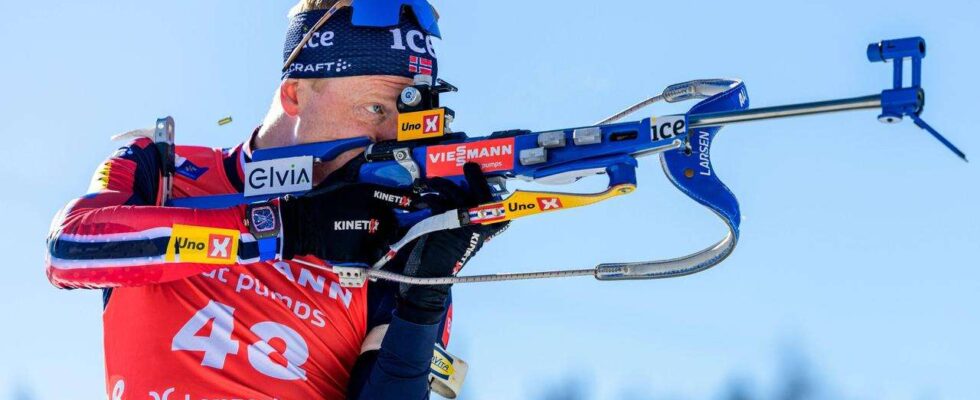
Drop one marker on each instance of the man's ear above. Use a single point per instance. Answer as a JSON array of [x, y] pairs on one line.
[[289, 96]]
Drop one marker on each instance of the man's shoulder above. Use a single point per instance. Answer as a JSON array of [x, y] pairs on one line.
[[203, 154], [210, 168]]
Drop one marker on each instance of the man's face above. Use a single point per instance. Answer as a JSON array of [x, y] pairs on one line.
[[340, 108]]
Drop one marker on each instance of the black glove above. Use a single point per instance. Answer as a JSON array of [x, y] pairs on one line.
[[350, 223], [444, 253]]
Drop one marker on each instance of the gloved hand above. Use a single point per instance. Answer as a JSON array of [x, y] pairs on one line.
[[444, 253], [350, 223]]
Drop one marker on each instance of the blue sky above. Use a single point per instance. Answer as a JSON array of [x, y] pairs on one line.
[[859, 239]]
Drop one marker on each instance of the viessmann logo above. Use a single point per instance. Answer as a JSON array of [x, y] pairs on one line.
[[448, 160], [198, 244]]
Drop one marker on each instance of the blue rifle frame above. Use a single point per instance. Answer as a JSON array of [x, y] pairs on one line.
[[564, 155]]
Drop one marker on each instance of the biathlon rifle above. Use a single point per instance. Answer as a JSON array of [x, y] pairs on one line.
[[426, 148]]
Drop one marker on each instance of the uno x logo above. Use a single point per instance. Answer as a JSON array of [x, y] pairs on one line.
[[431, 124], [202, 244], [219, 246], [421, 124], [549, 203]]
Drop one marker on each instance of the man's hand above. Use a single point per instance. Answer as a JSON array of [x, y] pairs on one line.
[[345, 224], [444, 253]]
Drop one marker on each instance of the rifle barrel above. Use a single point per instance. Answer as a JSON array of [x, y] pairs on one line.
[[789, 110]]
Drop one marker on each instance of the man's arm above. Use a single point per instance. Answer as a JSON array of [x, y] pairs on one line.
[[400, 367], [407, 341], [114, 236]]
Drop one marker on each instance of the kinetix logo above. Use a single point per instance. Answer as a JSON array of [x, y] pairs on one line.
[[403, 201], [370, 225], [474, 243]]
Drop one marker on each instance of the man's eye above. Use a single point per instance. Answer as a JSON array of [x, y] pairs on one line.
[[375, 109]]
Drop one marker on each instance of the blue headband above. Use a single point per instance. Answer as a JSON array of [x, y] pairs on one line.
[[340, 48]]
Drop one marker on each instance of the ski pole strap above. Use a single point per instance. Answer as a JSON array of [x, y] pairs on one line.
[[435, 223]]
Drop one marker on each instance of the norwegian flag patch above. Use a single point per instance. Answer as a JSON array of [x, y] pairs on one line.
[[419, 65], [487, 213]]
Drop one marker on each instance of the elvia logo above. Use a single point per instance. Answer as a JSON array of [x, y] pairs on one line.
[[283, 175]]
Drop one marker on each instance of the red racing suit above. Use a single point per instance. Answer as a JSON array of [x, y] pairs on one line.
[[190, 311]]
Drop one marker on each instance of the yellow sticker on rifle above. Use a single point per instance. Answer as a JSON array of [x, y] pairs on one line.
[[421, 124], [522, 204]]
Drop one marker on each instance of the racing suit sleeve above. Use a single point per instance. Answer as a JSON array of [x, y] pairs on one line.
[[401, 366], [115, 235], [398, 367]]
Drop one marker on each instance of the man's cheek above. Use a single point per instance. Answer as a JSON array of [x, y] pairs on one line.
[[389, 130], [323, 169], [317, 128]]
